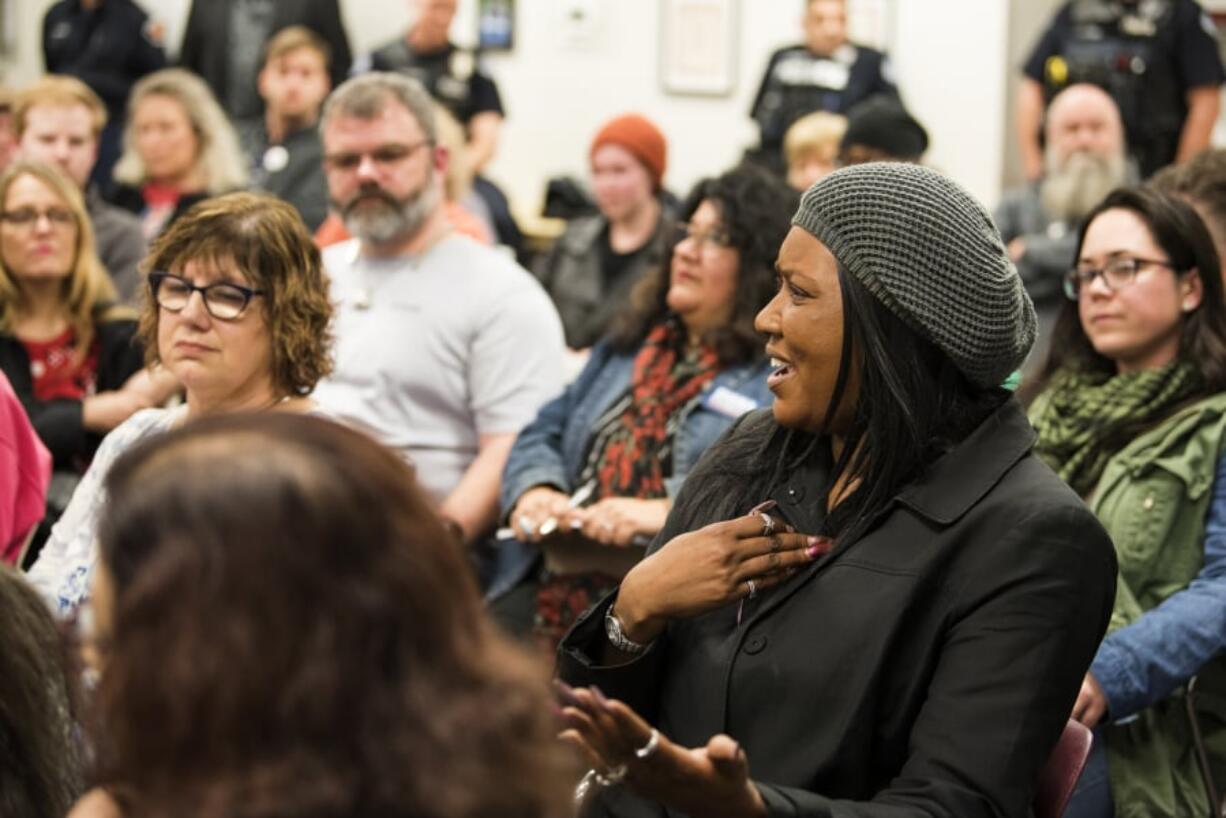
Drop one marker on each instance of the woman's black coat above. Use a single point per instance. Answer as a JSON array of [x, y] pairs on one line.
[[924, 670]]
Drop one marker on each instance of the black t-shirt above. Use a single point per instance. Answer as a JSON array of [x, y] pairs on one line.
[[1147, 55], [452, 75], [799, 82], [613, 265]]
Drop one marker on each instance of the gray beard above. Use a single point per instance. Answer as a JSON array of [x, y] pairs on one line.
[[392, 219], [1070, 191]]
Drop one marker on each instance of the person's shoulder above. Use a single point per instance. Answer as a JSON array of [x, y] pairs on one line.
[[798, 49], [58, 9], [582, 232], [137, 427], [112, 215], [391, 55], [758, 425], [868, 54], [126, 10], [340, 255], [1020, 195], [115, 322]]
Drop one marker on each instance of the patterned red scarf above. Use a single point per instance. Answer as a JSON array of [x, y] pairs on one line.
[[664, 380]]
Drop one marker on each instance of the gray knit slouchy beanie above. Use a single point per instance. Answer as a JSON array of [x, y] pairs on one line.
[[927, 250]]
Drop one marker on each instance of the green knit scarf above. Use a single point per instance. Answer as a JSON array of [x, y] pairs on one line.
[[1081, 415]]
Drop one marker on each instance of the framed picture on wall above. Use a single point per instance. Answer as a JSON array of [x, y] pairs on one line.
[[496, 25], [698, 46]]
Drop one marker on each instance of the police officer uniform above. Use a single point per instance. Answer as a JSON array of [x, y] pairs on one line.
[[452, 75], [799, 82], [1147, 54]]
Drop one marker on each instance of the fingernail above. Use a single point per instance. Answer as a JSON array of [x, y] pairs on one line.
[[599, 694], [817, 547]]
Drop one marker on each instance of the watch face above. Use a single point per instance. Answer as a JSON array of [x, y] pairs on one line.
[[611, 628]]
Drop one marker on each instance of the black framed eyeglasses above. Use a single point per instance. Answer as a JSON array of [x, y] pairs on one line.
[[223, 300], [1117, 273]]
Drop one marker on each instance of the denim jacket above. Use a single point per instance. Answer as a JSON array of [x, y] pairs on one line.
[[551, 450]]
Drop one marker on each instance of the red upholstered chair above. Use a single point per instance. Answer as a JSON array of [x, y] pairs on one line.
[[1063, 768]]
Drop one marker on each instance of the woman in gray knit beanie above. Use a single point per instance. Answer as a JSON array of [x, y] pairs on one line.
[[872, 593]]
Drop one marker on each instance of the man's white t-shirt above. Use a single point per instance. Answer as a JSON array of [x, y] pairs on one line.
[[433, 351]]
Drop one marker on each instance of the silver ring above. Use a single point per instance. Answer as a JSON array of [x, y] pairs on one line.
[[526, 525], [649, 749], [768, 524], [612, 776], [753, 588]]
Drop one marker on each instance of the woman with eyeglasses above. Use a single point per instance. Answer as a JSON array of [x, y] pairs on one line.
[[590, 481], [65, 344], [1131, 412], [238, 312]]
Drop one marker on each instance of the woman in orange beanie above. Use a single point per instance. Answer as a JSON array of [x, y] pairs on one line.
[[598, 260]]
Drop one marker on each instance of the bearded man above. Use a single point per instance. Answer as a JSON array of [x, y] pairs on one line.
[[444, 348], [1085, 158]]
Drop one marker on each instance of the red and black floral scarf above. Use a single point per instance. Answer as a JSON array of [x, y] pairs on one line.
[[631, 450]]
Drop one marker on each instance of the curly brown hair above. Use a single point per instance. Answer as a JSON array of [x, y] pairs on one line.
[[265, 239], [295, 633]]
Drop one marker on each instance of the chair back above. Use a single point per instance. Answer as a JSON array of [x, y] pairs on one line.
[[1063, 768]]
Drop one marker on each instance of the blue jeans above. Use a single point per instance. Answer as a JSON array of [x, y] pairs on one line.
[[1092, 796]]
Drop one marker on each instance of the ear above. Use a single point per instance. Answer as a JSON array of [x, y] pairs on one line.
[[1191, 290], [442, 158]]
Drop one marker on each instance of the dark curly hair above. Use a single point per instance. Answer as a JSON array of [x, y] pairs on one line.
[[40, 759], [756, 209], [266, 240], [295, 633]]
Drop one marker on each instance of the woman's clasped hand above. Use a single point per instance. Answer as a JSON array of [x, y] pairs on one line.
[[712, 780]]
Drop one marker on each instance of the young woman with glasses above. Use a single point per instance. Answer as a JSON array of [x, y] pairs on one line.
[[238, 312], [1131, 413], [65, 344]]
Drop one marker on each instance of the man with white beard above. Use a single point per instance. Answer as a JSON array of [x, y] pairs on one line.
[[1085, 158], [444, 348]]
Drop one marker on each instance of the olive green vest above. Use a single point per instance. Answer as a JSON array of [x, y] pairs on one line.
[[1153, 498]]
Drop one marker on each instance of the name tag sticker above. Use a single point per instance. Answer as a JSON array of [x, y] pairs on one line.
[[729, 403]]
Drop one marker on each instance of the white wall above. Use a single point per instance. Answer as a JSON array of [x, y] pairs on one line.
[[557, 94]]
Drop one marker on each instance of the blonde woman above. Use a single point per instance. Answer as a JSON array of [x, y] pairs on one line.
[[68, 350], [179, 148]]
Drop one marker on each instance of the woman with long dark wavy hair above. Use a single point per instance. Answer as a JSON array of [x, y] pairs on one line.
[[873, 595], [589, 482], [289, 630], [1132, 413]]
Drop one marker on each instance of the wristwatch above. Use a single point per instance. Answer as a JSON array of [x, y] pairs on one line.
[[617, 637]]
